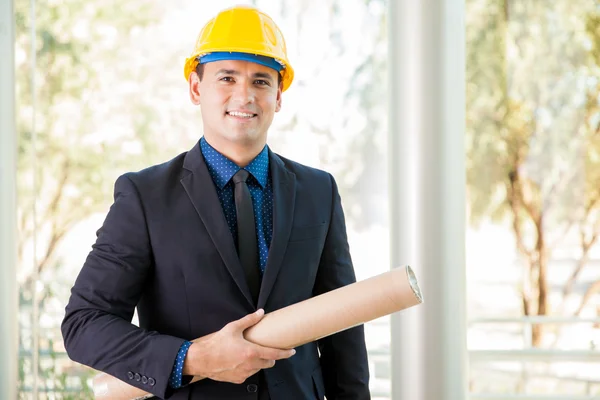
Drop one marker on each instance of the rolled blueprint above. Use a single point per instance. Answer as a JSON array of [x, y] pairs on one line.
[[308, 320]]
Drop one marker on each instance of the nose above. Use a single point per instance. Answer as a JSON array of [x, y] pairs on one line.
[[244, 92]]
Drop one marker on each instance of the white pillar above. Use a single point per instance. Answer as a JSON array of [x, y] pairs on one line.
[[8, 147], [427, 195]]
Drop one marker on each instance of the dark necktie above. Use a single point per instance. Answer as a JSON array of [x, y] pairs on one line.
[[246, 228]]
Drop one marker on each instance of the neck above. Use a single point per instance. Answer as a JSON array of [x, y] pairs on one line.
[[240, 154]]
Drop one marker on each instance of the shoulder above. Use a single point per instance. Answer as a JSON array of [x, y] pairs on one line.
[[304, 172], [155, 177]]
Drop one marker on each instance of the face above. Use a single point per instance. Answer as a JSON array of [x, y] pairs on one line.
[[238, 100]]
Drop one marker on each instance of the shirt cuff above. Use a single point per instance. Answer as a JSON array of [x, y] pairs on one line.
[[175, 381]]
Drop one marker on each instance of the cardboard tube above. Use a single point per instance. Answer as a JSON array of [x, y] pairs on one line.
[[308, 320]]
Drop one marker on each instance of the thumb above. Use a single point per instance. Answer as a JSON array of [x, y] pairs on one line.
[[249, 320]]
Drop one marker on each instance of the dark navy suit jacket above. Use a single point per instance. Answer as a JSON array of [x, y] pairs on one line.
[[166, 249]]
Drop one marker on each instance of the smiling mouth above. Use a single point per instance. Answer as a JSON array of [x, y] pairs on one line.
[[239, 114]]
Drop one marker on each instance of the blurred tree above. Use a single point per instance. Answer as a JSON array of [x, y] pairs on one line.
[[343, 109], [367, 89], [65, 166], [57, 93], [532, 148]]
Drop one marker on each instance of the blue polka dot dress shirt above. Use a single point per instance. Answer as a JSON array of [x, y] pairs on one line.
[[177, 374], [221, 170]]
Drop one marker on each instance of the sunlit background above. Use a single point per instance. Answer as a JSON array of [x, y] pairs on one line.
[[100, 91]]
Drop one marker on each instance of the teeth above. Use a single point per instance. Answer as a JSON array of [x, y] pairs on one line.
[[240, 114]]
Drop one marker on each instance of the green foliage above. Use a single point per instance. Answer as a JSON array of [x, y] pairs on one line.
[[525, 108], [65, 169], [532, 130], [56, 373]]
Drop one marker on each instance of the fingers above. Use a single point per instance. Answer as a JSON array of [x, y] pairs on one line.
[[241, 375], [268, 353], [248, 321], [259, 364]]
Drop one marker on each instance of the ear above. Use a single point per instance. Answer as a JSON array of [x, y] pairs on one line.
[[194, 83], [279, 96]]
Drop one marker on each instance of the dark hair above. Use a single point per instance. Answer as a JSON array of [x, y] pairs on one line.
[[200, 72]]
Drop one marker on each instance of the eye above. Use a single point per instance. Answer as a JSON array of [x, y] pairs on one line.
[[262, 82], [226, 79]]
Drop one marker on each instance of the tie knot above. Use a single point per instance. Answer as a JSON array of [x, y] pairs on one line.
[[240, 176]]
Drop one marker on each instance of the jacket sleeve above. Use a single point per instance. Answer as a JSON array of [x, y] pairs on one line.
[[97, 328], [343, 360]]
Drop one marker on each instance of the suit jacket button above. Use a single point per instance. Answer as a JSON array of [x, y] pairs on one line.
[[144, 379], [252, 388], [151, 381], [137, 377], [130, 375]]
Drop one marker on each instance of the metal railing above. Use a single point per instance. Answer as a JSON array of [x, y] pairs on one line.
[[529, 354], [478, 358], [529, 397]]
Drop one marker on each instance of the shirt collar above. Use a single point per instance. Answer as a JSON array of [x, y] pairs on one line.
[[222, 168]]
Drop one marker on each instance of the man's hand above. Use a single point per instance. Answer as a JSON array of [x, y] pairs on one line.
[[226, 356]]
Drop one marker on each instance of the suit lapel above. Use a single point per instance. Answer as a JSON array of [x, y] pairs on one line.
[[200, 188], [284, 195]]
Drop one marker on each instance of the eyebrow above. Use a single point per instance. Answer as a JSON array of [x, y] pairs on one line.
[[233, 72]]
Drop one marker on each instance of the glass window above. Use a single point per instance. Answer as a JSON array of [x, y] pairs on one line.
[[100, 92], [532, 156]]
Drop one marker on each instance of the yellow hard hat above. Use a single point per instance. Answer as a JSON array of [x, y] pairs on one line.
[[242, 29]]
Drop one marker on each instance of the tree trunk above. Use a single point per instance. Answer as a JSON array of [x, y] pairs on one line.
[[537, 331], [535, 289]]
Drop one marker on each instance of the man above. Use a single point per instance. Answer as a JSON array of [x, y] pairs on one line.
[[212, 239]]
